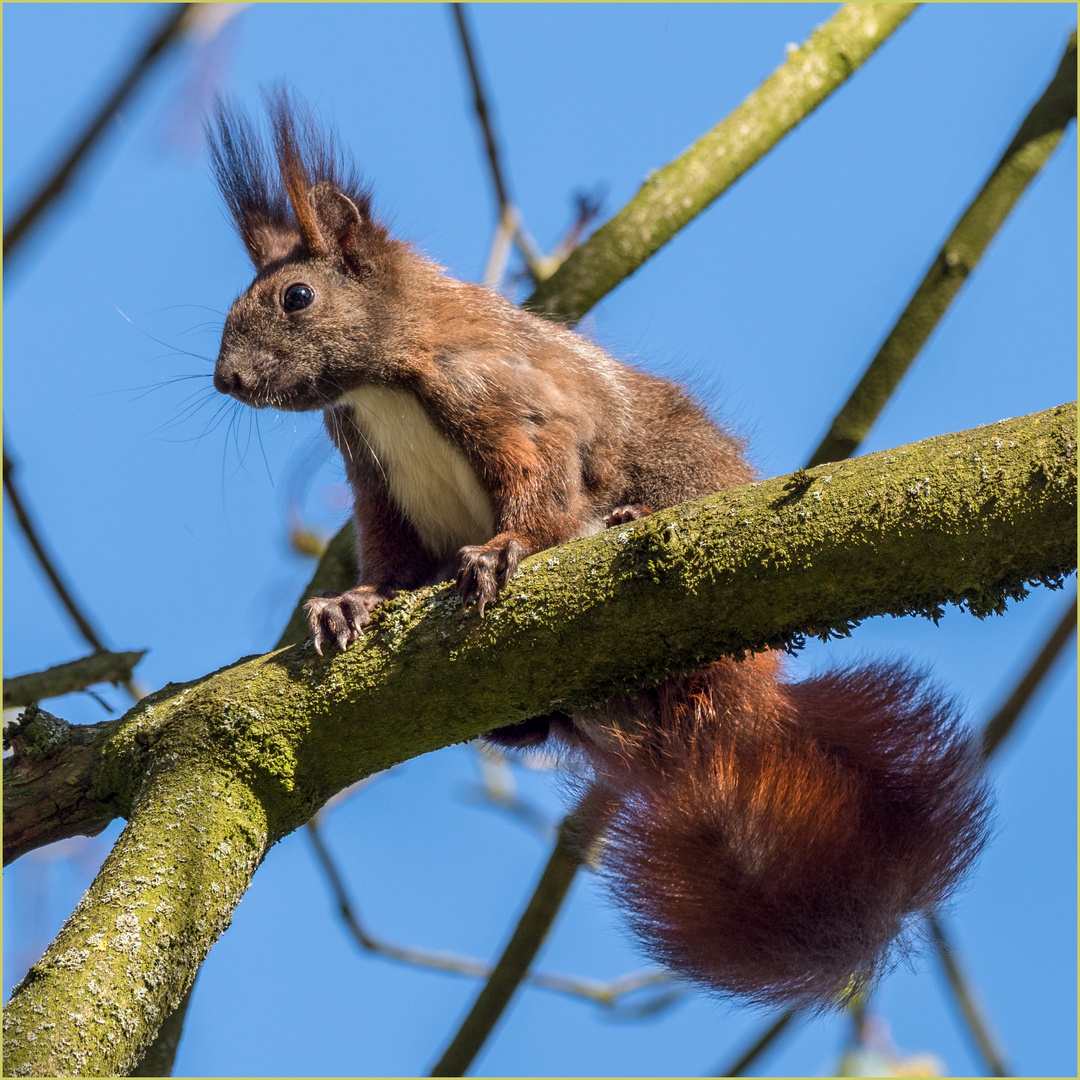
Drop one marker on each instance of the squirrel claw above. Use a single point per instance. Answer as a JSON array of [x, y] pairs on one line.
[[339, 618], [623, 515], [485, 568]]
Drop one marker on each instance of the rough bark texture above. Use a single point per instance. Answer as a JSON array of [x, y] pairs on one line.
[[212, 772], [50, 781], [674, 195]]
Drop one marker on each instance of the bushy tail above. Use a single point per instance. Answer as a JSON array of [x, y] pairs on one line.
[[778, 840]]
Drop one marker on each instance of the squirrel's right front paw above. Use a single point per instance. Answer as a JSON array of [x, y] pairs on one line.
[[339, 618]]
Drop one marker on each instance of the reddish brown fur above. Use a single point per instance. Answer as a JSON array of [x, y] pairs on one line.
[[769, 838], [773, 839]]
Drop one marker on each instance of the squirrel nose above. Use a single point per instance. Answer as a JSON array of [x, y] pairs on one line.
[[228, 382]]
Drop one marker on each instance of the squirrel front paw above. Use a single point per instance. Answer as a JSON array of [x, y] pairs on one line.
[[485, 568], [339, 618]]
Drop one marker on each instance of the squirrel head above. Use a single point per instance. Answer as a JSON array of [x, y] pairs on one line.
[[314, 322]]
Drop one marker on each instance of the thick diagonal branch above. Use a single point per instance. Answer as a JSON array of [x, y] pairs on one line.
[[211, 772], [1024, 157], [677, 193]]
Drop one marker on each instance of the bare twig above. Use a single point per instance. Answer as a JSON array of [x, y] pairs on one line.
[[1002, 722], [509, 226], [1029, 150], [98, 667], [46, 562], [483, 114], [762, 1043], [172, 26], [605, 993], [501, 243], [48, 565], [525, 942], [978, 1023]]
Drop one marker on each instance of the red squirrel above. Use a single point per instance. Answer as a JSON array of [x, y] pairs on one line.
[[766, 838]]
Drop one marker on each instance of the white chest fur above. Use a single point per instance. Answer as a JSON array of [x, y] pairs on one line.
[[429, 478]]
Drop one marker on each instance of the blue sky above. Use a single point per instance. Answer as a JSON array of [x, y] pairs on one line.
[[170, 513]]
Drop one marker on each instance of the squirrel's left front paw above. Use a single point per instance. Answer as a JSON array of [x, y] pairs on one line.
[[485, 568], [339, 618]]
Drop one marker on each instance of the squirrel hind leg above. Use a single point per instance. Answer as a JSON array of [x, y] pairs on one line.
[[784, 867]]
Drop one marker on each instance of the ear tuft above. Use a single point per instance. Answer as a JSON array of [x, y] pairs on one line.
[[276, 196]]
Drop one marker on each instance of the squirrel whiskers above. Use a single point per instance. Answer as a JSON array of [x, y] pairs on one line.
[[767, 838]]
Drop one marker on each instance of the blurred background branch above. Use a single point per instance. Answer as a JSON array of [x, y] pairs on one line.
[[98, 667], [1030, 148], [48, 566], [171, 28]]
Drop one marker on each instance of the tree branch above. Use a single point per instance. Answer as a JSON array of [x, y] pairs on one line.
[[98, 667], [1029, 150], [970, 1007], [762, 1043], [51, 787], [48, 565], [1004, 720], [213, 771], [603, 992], [673, 196]]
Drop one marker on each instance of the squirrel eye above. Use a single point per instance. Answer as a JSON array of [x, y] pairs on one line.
[[297, 297]]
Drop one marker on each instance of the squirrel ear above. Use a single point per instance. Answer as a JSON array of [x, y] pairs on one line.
[[340, 223], [266, 242]]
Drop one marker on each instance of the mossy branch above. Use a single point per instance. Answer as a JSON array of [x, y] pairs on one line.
[[1024, 157], [677, 193], [210, 773]]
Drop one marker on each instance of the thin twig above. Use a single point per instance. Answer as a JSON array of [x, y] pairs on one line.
[[98, 667], [483, 114], [525, 942], [172, 26], [509, 226], [499, 256], [46, 562], [48, 565], [1028, 151], [977, 1023], [758, 1047], [605, 993], [1002, 722]]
